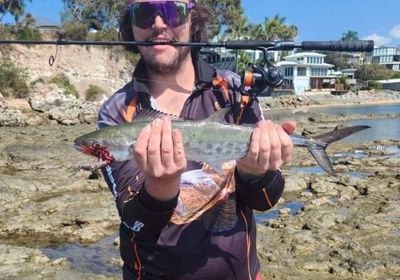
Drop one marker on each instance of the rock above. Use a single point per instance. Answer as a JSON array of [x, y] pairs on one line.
[[11, 117], [322, 187], [64, 109], [45, 97], [3, 103], [295, 183]]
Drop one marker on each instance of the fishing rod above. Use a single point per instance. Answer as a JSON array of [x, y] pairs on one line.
[[350, 46], [255, 79]]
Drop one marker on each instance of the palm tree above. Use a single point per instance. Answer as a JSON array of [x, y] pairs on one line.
[[275, 29], [238, 30], [350, 35]]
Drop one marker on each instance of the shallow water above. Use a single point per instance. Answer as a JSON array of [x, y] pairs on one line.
[[360, 109], [383, 129], [93, 258], [295, 208]]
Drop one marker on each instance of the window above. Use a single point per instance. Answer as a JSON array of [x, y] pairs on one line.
[[288, 71], [301, 71]]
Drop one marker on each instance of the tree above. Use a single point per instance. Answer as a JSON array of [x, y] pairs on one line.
[[226, 14], [337, 59], [350, 35], [374, 71], [275, 29], [12, 7], [96, 14], [238, 30]]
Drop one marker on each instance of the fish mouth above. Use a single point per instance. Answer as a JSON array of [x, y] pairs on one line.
[[83, 148], [80, 147]]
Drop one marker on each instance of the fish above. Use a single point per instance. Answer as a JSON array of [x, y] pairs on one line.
[[212, 141]]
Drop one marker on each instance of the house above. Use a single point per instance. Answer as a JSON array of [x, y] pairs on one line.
[[307, 71], [392, 84], [219, 58], [386, 56], [349, 74]]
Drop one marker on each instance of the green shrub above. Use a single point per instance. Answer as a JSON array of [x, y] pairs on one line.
[[63, 82], [93, 92], [39, 80], [368, 85], [6, 32], [75, 30], [26, 33], [13, 80], [103, 35]]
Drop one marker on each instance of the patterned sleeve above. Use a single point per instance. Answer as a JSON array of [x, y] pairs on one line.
[[140, 214]]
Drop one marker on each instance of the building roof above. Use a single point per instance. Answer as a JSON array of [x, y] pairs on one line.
[[294, 63], [286, 63], [390, 81]]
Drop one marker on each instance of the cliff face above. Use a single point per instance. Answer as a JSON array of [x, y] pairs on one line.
[[83, 65]]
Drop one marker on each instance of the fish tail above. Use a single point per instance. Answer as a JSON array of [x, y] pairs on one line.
[[323, 141]]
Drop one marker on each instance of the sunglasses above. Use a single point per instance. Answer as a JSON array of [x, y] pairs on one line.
[[174, 13]]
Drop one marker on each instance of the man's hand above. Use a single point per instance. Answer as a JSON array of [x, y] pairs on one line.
[[160, 155], [270, 147]]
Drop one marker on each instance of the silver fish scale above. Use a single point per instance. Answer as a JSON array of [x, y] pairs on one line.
[[206, 141]]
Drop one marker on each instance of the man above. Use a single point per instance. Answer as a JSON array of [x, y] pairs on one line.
[[180, 219]]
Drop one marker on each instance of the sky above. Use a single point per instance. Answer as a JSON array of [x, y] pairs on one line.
[[315, 19]]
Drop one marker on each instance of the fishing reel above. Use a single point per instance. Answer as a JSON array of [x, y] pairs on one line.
[[256, 79]]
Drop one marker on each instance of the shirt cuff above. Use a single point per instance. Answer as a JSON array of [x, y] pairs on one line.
[[257, 183], [154, 204]]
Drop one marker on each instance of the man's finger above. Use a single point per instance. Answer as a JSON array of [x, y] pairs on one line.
[[154, 147], [265, 148], [140, 150], [275, 159], [286, 145], [179, 151], [289, 127], [167, 157]]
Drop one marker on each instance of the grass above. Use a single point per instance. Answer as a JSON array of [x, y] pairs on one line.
[[63, 82]]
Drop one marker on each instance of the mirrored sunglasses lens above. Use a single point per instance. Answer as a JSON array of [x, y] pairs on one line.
[[173, 13]]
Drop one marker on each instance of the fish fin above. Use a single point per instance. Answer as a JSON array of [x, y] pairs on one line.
[[324, 140], [219, 116], [339, 134], [322, 159], [148, 115]]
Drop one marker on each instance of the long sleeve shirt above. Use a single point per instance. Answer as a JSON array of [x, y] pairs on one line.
[[208, 231]]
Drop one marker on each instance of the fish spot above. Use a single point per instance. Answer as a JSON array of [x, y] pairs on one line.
[[209, 146], [218, 150], [238, 149]]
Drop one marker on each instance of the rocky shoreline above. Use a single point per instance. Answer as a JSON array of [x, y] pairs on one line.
[[344, 227]]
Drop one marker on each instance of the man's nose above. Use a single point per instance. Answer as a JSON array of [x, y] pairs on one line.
[[159, 22]]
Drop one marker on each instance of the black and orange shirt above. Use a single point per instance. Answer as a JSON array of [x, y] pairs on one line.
[[208, 231]]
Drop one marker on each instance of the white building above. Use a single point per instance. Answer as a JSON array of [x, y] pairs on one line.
[[386, 56], [307, 71]]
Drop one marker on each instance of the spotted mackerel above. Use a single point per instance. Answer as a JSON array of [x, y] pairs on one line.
[[212, 141]]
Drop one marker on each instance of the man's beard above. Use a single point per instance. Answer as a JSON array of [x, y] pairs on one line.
[[167, 68]]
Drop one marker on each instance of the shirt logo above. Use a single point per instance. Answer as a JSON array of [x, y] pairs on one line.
[[137, 226]]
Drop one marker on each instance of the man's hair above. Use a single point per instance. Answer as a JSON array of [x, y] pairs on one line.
[[200, 14]]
